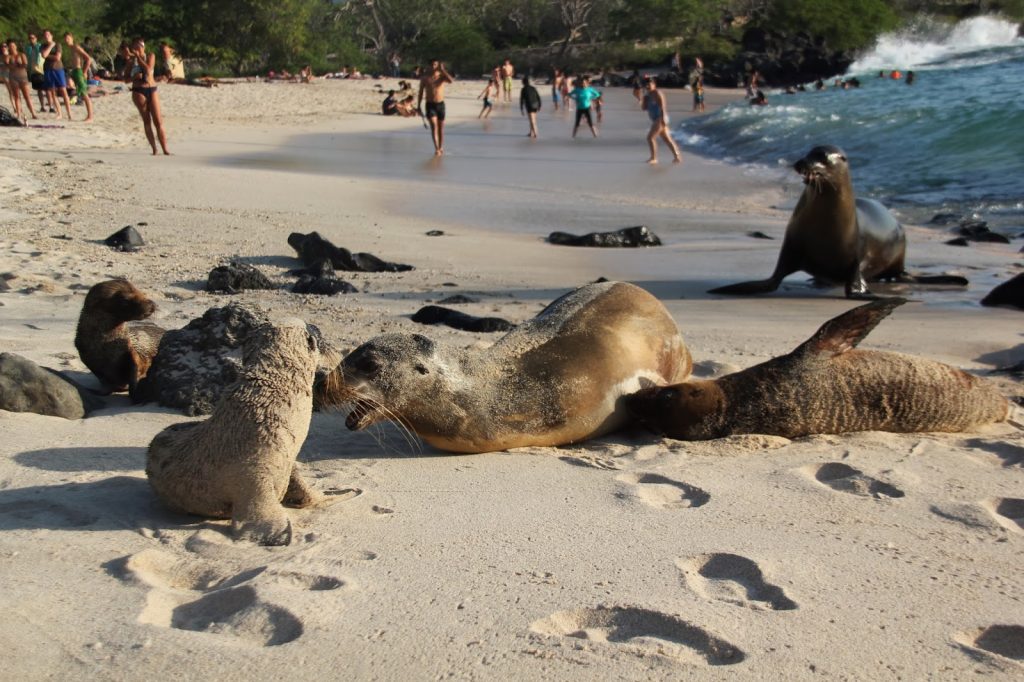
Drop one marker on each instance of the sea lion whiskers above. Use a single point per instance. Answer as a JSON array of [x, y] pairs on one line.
[[367, 406]]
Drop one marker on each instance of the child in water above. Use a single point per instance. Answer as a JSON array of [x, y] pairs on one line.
[[698, 95]]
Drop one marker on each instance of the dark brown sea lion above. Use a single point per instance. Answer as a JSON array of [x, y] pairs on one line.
[[825, 386], [837, 237], [110, 341], [240, 463], [558, 378]]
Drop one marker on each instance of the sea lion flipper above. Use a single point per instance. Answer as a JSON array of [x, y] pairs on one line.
[[939, 280], [299, 495], [844, 332]]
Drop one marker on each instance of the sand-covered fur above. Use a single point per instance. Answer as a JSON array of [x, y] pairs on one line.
[[240, 463], [825, 386], [111, 341], [555, 379]]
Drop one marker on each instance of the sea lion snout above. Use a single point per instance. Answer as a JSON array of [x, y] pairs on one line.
[[650, 406]]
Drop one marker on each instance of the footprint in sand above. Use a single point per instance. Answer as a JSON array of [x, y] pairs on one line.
[[1008, 511], [734, 579], [664, 493], [845, 478], [192, 595], [641, 631], [591, 462], [1006, 641]]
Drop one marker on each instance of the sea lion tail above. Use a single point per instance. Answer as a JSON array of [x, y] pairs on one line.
[[939, 280], [843, 333], [759, 286]]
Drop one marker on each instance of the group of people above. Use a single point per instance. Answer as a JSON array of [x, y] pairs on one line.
[[52, 70], [41, 67], [578, 90]]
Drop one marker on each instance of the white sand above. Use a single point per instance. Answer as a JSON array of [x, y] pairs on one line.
[[867, 556]]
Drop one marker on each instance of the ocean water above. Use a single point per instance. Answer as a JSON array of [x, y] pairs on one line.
[[951, 142]]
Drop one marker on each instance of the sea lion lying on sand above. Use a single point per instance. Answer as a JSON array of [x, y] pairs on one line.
[[555, 379], [240, 463], [825, 386], [111, 343], [838, 237]]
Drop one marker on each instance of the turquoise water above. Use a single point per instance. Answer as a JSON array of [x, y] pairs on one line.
[[951, 142]]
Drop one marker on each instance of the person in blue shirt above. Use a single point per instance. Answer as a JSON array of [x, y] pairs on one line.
[[584, 96]]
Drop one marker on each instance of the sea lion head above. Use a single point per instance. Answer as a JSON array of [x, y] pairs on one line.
[[824, 166], [119, 300], [391, 376], [679, 411], [287, 344]]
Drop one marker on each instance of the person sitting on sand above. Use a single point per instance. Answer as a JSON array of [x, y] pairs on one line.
[[407, 106], [306, 74], [169, 66], [389, 107]]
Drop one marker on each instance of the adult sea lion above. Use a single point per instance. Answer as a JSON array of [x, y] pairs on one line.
[[825, 386], [555, 379], [111, 342], [240, 463], [837, 237]]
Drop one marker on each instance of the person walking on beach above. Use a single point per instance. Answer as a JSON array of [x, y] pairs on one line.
[[584, 96], [638, 89], [529, 104], [144, 94], [80, 63], [507, 72], [490, 91], [432, 88], [17, 78], [53, 73], [657, 110]]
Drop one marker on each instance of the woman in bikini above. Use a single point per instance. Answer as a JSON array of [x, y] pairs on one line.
[[5, 56], [144, 93], [17, 78]]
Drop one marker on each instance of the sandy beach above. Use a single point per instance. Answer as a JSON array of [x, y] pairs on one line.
[[862, 556]]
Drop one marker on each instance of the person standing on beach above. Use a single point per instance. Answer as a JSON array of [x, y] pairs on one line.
[[33, 53], [556, 86], [657, 110], [584, 96], [17, 77], [80, 63], [53, 73], [432, 88], [507, 72], [638, 89], [529, 104], [144, 94], [698, 95]]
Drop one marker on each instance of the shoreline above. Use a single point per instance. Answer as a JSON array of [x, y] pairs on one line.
[[503, 565]]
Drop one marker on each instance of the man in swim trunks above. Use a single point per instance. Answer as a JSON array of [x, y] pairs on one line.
[[80, 63], [432, 87], [53, 72], [507, 72], [33, 52]]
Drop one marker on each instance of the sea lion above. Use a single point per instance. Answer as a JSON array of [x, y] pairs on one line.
[[555, 379], [837, 237], [240, 463], [110, 341], [825, 386]]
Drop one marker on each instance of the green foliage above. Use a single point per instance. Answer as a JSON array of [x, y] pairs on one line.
[[845, 24], [463, 47]]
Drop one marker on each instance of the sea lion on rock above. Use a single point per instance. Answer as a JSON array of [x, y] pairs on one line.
[[110, 341], [555, 379], [825, 386], [240, 463], [837, 237]]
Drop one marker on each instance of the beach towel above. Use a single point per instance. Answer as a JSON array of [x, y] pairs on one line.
[[9, 119]]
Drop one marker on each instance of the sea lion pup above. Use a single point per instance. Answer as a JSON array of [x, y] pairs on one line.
[[837, 237], [111, 343], [555, 379], [825, 386], [240, 463]]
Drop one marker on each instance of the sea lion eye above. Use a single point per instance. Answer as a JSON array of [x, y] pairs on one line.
[[422, 369], [366, 365], [311, 341]]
